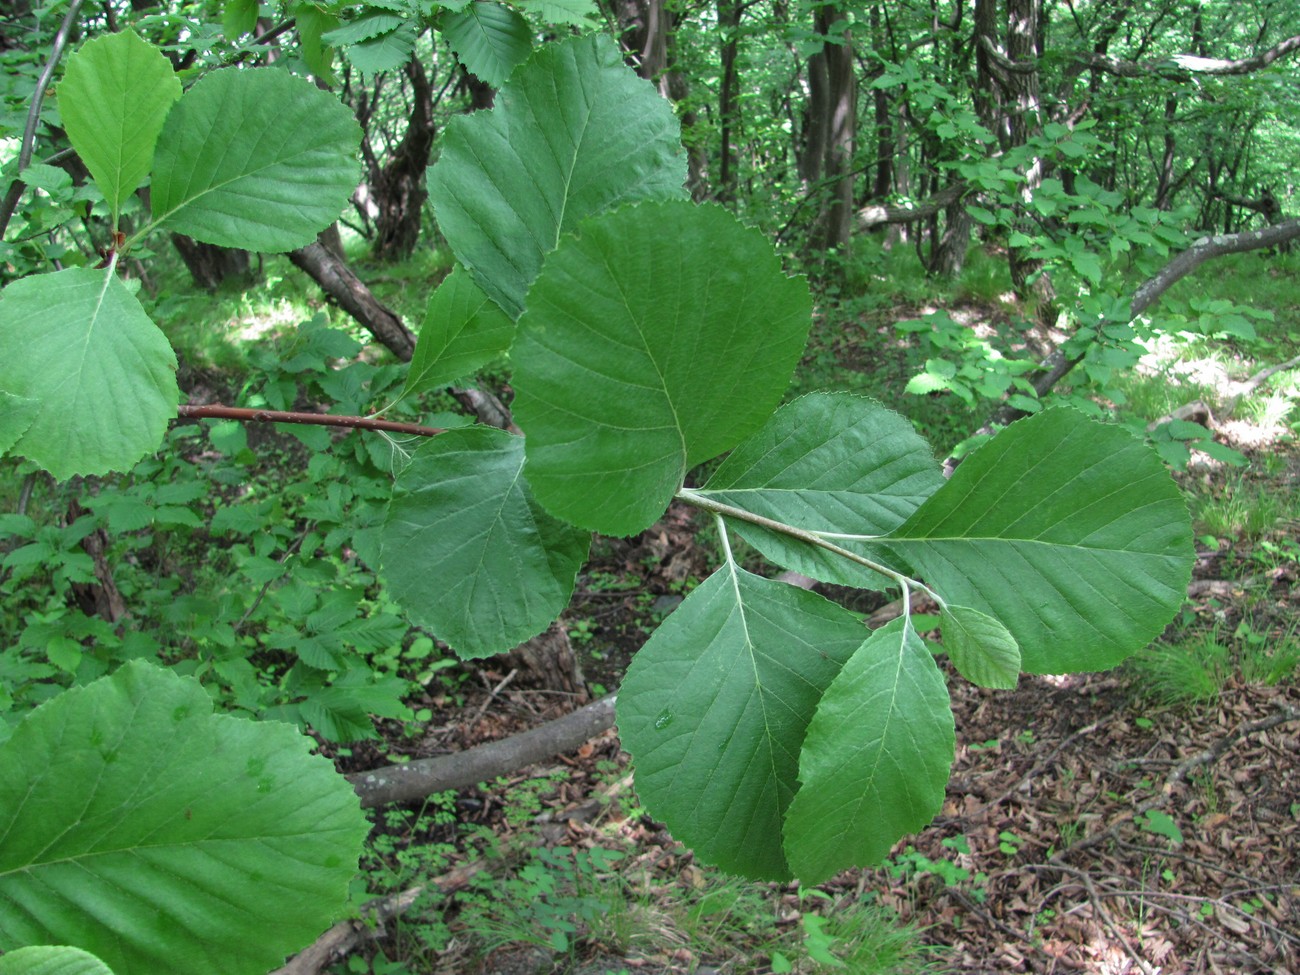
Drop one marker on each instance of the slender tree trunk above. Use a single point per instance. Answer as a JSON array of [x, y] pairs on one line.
[[729, 14], [338, 281], [648, 33], [397, 188], [210, 265], [1164, 188]]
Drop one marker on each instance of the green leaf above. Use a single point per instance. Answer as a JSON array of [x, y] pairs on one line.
[[1088, 266], [113, 101], [827, 462], [490, 39], [463, 330], [313, 23], [1161, 824], [980, 647], [876, 757], [16, 415], [238, 17], [143, 828], [578, 13], [52, 960], [387, 52], [573, 133], [1067, 531], [256, 159], [714, 709], [638, 359], [467, 551], [75, 342], [372, 24]]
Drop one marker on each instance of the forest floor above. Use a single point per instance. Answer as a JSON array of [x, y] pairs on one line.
[[1144, 820]]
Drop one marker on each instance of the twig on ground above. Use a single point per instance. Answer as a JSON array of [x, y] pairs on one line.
[[341, 939], [1180, 772]]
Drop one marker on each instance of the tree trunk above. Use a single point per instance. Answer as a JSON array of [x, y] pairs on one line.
[[210, 265], [337, 280], [831, 133], [397, 189], [729, 14], [647, 32]]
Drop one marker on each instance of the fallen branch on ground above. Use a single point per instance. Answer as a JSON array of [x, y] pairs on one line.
[[482, 763]]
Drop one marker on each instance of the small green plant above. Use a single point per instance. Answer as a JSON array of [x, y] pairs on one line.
[[1190, 671], [1009, 843], [551, 899], [1161, 824]]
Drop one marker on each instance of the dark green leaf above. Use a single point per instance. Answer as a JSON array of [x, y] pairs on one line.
[[257, 159], [490, 39], [463, 330], [637, 360], [143, 828], [876, 757], [467, 551], [1067, 531], [833, 463], [714, 709], [573, 133]]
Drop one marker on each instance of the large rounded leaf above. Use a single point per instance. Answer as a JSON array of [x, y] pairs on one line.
[[468, 552], [97, 376], [113, 101], [574, 132], [257, 159], [657, 337], [876, 757], [139, 826], [833, 463], [714, 709], [1068, 532]]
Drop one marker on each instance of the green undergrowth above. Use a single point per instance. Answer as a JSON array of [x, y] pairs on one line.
[[243, 555], [605, 898]]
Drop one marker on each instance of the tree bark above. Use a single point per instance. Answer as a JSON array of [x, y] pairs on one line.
[[397, 189], [423, 777], [210, 265], [338, 281], [729, 14]]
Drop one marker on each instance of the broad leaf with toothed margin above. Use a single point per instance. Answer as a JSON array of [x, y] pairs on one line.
[[16, 415], [876, 757], [828, 462], [257, 159], [638, 359], [573, 133], [463, 330], [468, 553], [141, 827], [714, 709], [490, 39], [1068, 532], [113, 101], [103, 377]]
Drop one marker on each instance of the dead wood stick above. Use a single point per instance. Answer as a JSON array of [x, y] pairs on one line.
[[421, 778], [1179, 772], [346, 935]]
